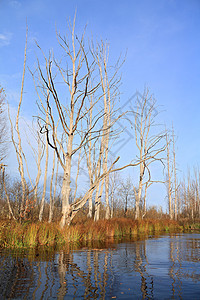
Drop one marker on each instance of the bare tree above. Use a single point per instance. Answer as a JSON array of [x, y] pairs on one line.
[[169, 178], [150, 145], [67, 86], [126, 193], [3, 127], [46, 167], [109, 85], [75, 70], [175, 176], [51, 192], [33, 136], [3, 148], [17, 143], [89, 150], [77, 205], [113, 188], [97, 152], [172, 186], [2, 170], [197, 188], [20, 155], [188, 192]]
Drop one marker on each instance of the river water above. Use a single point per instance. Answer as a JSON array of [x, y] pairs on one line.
[[164, 267]]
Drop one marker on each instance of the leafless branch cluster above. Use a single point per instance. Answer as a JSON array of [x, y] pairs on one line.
[[78, 111]]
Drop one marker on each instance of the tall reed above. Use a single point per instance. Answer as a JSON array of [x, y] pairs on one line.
[[14, 234]]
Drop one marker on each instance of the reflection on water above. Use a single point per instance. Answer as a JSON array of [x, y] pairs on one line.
[[166, 267]]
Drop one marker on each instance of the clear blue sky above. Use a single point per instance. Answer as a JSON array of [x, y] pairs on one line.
[[162, 39]]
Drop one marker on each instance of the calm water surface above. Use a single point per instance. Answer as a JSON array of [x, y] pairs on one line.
[[167, 267]]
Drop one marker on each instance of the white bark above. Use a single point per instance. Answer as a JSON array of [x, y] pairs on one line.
[[149, 146], [97, 203], [65, 192], [175, 177], [18, 144], [51, 199], [114, 182], [169, 179], [46, 166], [82, 78], [2, 168], [53, 195], [109, 92]]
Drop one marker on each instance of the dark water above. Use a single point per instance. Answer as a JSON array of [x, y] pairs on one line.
[[167, 267]]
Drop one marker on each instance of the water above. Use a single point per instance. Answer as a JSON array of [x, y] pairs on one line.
[[167, 267]]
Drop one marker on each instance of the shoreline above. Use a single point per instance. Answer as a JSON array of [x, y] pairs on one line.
[[32, 235]]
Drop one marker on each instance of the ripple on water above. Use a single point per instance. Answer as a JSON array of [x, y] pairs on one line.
[[156, 268]]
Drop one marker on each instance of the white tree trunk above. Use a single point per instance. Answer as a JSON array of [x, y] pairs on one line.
[[90, 207], [175, 180], [65, 192], [97, 204], [107, 216], [169, 180], [45, 171], [51, 199]]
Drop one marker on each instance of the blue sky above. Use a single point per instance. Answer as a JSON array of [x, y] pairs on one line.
[[162, 40]]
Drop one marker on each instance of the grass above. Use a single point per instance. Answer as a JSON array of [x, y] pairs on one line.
[[16, 235]]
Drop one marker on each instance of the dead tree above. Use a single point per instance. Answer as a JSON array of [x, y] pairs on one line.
[[113, 187], [171, 181], [110, 82], [97, 152], [3, 127], [76, 70], [2, 170], [46, 166], [89, 150], [150, 145], [126, 193], [175, 177], [197, 188], [17, 143], [77, 205], [33, 135], [169, 178]]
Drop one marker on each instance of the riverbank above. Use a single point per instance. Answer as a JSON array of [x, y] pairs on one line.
[[16, 235]]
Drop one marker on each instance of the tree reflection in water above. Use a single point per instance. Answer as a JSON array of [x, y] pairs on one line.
[[141, 263], [165, 267]]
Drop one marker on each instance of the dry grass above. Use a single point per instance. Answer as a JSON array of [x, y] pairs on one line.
[[13, 234]]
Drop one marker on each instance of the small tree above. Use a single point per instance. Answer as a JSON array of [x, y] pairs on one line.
[[126, 194], [3, 127]]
